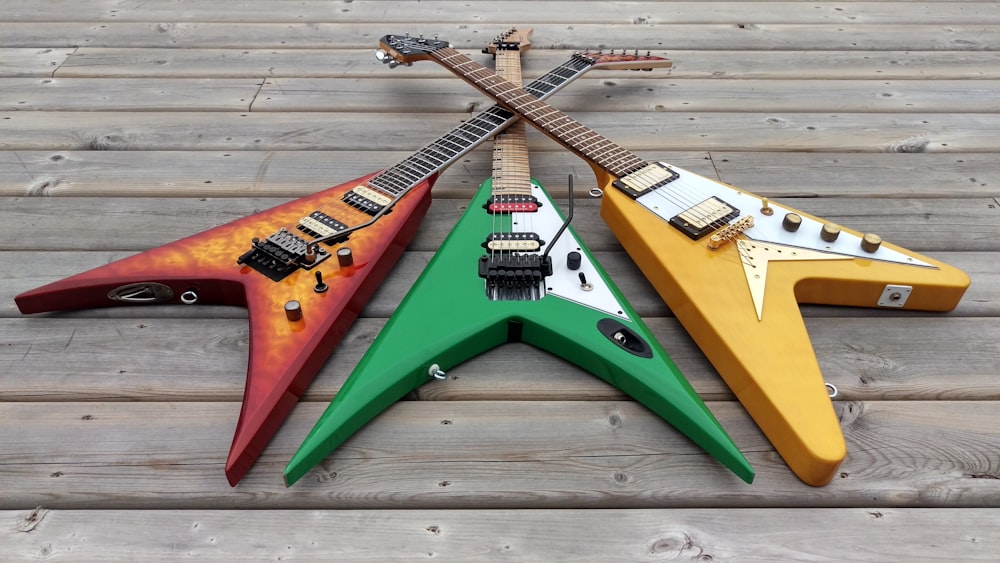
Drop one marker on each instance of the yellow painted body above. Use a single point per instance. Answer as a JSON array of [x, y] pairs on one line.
[[769, 363]]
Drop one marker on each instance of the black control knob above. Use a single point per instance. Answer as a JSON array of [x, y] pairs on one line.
[[573, 260]]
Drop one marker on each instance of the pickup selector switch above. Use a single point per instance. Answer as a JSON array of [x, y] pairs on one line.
[[791, 222], [830, 232]]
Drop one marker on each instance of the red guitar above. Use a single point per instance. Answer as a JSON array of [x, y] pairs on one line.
[[303, 270]]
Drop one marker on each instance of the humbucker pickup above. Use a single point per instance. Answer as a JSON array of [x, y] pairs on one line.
[[654, 175], [524, 242], [704, 218], [512, 204], [319, 224], [367, 199]]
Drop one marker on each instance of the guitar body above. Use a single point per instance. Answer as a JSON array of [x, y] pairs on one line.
[[447, 318], [733, 267], [285, 354], [759, 344]]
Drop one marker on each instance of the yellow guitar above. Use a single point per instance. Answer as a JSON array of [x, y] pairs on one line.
[[734, 267]]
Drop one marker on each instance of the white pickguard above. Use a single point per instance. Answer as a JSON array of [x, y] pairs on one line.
[[773, 241], [565, 283]]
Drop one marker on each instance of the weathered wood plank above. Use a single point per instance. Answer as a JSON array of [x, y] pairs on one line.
[[487, 455], [759, 534], [163, 359], [639, 131], [617, 95], [38, 224], [499, 14], [124, 62], [22, 273], [15, 62], [123, 94], [733, 36], [449, 95], [239, 174]]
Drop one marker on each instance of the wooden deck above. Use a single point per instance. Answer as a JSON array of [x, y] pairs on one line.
[[125, 125]]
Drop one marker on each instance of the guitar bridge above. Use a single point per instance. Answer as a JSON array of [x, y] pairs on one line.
[[515, 277], [281, 254], [704, 218], [653, 176]]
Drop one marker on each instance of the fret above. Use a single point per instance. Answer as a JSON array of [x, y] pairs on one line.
[[511, 174], [440, 153], [564, 129]]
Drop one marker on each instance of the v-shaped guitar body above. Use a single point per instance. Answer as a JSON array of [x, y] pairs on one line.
[[447, 318], [740, 303], [285, 354]]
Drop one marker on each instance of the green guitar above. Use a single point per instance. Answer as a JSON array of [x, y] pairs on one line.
[[512, 270]]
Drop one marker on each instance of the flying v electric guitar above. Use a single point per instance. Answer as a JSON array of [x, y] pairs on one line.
[[303, 270], [512, 270], [734, 267]]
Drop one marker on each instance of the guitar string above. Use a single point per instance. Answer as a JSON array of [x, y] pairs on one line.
[[594, 147], [398, 179], [508, 64]]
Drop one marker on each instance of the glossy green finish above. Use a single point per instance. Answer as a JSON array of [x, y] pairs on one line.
[[446, 319]]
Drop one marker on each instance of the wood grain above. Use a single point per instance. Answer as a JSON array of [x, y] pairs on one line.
[[484, 454], [125, 125], [125, 62], [759, 534]]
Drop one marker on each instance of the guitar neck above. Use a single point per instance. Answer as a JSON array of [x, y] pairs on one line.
[[562, 128], [441, 153], [511, 170]]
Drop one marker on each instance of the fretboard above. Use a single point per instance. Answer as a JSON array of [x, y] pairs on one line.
[[439, 154], [511, 170], [560, 127]]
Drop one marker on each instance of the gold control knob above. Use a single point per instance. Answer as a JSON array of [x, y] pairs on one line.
[[791, 222], [830, 232], [870, 242], [293, 310]]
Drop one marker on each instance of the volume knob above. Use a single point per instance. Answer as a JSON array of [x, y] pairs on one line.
[[345, 257], [293, 311], [830, 232], [791, 222], [870, 242], [573, 260]]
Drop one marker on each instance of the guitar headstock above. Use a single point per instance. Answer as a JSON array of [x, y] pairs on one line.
[[511, 40], [626, 61], [396, 49]]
